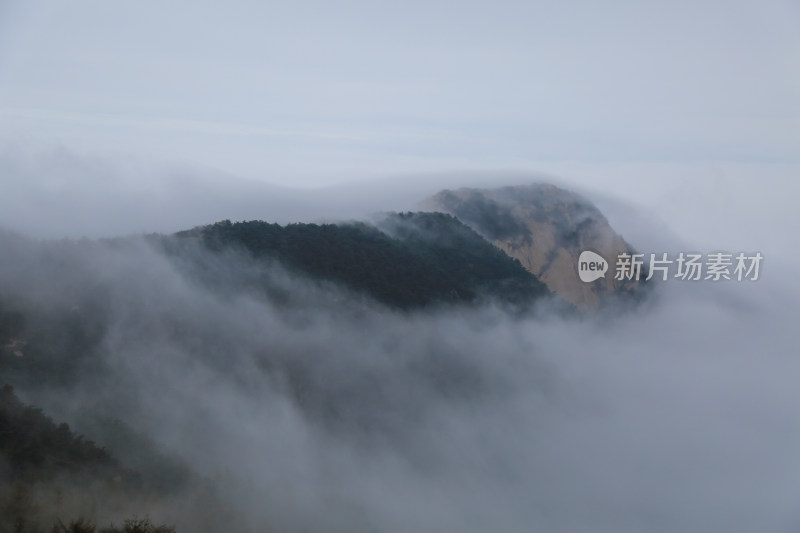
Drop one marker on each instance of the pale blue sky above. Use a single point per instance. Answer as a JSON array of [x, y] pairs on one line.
[[318, 92]]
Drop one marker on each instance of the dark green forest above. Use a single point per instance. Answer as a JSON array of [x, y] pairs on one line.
[[56, 317], [50, 474], [406, 261]]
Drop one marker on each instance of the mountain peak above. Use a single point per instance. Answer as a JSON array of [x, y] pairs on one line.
[[545, 228]]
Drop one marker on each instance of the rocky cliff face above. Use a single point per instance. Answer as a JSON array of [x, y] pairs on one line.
[[546, 228]]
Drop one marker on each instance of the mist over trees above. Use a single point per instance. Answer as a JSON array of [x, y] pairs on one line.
[[236, 383], [69, 309]]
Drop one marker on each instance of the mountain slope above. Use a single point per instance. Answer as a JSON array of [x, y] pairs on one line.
[[545, 228], [404, 261], [407, 260]]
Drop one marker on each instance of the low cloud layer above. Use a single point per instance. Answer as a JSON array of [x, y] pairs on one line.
[[331, 415], [55, 192]]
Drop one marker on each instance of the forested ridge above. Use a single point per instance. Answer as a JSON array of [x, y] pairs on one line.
[[67, 306], [407, 260]]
